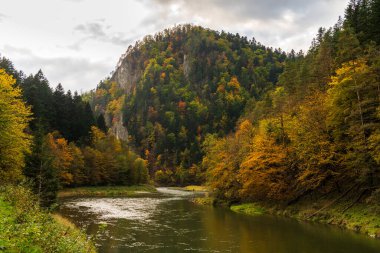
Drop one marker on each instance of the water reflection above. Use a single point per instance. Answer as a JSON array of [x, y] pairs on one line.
[[171, 223]]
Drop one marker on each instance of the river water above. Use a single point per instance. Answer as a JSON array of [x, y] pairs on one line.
[[169, 222]]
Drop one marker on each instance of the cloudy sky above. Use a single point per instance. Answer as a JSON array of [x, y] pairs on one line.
[[78, 42]]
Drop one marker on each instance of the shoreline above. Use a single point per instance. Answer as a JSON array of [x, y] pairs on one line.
[[363, 219]]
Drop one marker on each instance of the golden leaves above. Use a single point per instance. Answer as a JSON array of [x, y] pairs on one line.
[[14, 118]]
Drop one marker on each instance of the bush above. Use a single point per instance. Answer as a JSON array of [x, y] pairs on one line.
[[24, 227]]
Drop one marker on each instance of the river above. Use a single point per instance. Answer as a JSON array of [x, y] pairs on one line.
[[169, 222]]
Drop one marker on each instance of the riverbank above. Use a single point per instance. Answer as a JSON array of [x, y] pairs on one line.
[[360, 217], [27, 228], [107, 191]]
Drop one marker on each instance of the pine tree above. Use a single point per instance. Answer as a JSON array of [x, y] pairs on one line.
[[101, 123], [41, 170]]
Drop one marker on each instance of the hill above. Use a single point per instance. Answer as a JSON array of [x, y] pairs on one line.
[[172, 89]]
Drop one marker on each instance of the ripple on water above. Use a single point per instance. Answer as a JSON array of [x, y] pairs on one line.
[[118, 208], [127, 208]]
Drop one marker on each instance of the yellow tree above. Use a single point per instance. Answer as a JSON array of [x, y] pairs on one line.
[[62, 157], [221, 162], [263, 173], [77, 166], [353, 101], [14, 118], [312, 143], [223, 158]]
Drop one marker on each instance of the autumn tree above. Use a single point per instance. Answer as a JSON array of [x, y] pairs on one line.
[[353, 114], [14, 119], [264, 172]]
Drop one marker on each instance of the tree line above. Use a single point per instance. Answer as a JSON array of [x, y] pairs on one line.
[[317, 132], [52, 139]]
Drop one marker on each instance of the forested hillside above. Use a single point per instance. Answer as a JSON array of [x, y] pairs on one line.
[[317, 133], [172, 89]]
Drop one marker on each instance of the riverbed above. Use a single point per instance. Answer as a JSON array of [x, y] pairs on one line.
[[169, 222]]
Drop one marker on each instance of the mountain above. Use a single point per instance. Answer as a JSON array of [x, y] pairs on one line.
[[172, 89]]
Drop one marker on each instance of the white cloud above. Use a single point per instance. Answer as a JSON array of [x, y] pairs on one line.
[[75, 74]]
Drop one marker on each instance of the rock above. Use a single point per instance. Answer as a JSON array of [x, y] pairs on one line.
[[118, 129]]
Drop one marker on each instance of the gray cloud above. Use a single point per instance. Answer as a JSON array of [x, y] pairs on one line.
[[257, 9], [74, 1], [99, 31], [74, 73], [274, 21], [269, 9], [2, 17]]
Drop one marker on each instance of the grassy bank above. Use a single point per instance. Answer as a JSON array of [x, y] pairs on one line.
[[361, 217], [107, 191], [24, 227]]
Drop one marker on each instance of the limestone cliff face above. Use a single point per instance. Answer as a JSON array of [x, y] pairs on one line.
[[126, 76], [118, 129], [127, 73], [115, 125]]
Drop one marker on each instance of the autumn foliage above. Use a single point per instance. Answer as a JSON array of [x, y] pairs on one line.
[[316, 133]]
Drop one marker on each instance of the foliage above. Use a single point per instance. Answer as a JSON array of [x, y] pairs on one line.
[[56, 110], [67, 149], [27, 228], [56, 164], [316, 132], [14, 119], [364, 16]]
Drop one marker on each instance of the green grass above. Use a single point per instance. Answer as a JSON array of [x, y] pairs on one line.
[[361, 218], [24, 227], [107, 191], [248, 208], [366, 218]]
